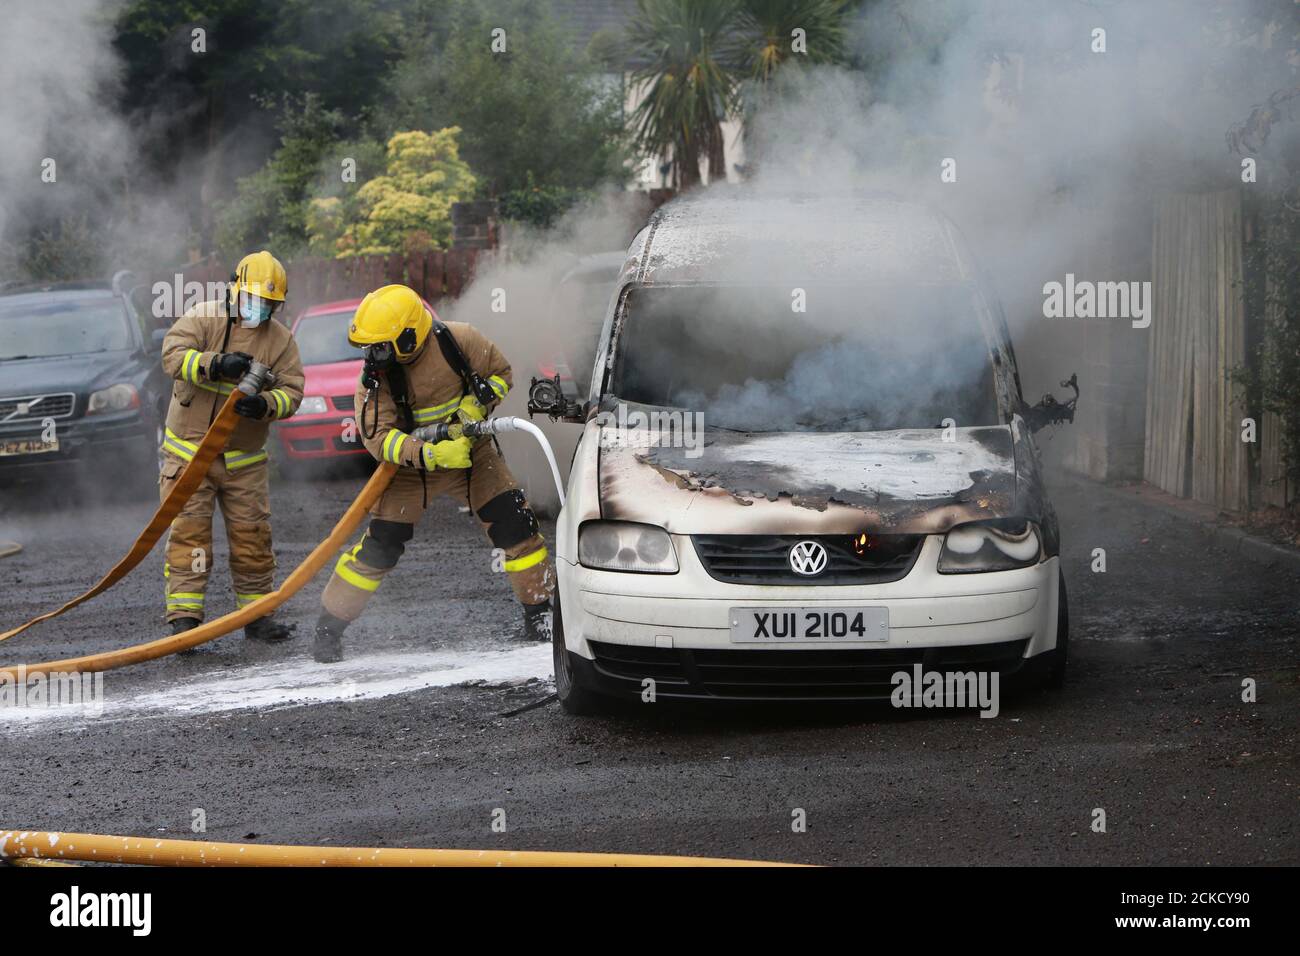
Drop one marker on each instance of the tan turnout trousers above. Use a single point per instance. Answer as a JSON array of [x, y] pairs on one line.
[[242, 494], [435, 391], [237, 480], [527, 563]]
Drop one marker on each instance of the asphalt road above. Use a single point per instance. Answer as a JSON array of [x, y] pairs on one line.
[[410, 742]]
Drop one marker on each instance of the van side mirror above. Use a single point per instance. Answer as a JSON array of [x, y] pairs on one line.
[[546, 397], [156, 339], [1049, 411]]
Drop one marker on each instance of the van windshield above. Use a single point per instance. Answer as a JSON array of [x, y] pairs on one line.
[[842, 358]]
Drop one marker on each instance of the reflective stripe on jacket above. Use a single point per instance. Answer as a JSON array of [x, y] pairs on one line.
[[189, 349], [434, 390]]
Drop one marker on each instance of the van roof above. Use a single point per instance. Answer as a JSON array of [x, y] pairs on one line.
[[737, 236]]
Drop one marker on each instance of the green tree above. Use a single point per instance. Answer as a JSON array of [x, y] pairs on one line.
[[773, 36], [269, 208], [210, 103], [688, 82], [408, 209], [534, 113], [1264, 57], [70, 249], [775, 32]]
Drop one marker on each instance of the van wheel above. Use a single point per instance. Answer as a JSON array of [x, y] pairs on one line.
[[574, 699], [1056, 675]]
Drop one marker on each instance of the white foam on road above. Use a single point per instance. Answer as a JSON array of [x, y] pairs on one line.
[[301, 682]]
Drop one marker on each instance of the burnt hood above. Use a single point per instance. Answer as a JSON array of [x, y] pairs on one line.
[[907, 481]]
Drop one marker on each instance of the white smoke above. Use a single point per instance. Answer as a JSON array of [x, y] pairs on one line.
[[62, 145]]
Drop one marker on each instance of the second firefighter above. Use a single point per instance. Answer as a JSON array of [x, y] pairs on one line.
[[420, 372]]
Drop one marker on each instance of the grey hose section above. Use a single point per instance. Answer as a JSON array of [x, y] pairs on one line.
[[494, 426], [499, 426]]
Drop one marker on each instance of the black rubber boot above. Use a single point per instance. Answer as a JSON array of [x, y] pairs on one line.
[[268, 631], [328, 647], [179, 626], [537, 622]]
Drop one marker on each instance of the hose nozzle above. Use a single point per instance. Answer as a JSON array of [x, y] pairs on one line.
[[443, 431], [258, 378]]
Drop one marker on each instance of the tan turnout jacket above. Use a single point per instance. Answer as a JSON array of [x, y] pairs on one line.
[[193, 342], [434, 390]]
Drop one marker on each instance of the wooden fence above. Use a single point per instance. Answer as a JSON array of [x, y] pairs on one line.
[[1194, 445], [1195, 407]]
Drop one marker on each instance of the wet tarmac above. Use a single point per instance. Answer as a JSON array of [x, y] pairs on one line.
[[408, 743]]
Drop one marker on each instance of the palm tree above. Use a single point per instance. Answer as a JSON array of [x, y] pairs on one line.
[[689, 88], [772, 35], [767, 34]]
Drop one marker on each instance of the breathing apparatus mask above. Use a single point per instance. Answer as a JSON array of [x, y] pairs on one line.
[[379, 358]]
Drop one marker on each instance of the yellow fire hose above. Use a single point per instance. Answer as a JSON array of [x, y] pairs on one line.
[[152, 852], [50, 848], [190, 479], [215, 628]]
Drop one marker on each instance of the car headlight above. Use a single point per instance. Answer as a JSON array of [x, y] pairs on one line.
[[999, 545], [626, 546], [312, 405], [115, 398]]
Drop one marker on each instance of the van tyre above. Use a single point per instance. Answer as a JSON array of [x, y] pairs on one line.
[[573, 699], [1059, 657]]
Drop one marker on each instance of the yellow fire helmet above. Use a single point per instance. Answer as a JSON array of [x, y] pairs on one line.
[[394, 314], [259, 274]]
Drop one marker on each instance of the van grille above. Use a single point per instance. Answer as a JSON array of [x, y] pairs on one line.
[[344, 403], [764, 559]]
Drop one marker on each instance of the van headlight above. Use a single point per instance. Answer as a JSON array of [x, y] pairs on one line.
[[115, 398], [312, 405], [626, 546], [1002, 544]]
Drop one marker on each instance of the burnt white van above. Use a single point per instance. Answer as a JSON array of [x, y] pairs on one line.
[[806, 466]]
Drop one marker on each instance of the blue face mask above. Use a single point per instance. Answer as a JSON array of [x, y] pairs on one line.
[[253, 310]]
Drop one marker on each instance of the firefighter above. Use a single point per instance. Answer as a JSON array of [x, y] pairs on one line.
[[414, 381], [207, 351]]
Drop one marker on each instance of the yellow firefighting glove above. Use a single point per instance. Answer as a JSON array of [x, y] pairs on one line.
[[453, 453], [471, 409]]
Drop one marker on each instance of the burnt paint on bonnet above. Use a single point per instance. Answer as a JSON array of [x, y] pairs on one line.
[[737, 486], [907, 481]]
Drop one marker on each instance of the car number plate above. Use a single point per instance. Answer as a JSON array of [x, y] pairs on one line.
[[769, 625], [27, 446]]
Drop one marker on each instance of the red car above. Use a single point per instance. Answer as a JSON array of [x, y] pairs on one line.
[[325, 427]]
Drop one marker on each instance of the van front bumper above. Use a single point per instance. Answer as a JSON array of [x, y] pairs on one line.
[[620, 629]]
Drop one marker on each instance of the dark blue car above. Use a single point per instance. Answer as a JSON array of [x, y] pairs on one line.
[[81, 384]]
